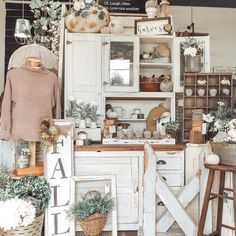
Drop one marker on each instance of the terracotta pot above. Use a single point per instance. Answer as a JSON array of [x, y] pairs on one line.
[[89, 20]]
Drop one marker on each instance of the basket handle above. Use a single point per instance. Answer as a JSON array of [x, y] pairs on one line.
[[91, 192]]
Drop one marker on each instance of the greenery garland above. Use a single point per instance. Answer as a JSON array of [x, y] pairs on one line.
[[34, 186]]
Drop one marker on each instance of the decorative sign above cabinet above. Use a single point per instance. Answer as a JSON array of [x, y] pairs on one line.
[[121, 7], [156, 26]]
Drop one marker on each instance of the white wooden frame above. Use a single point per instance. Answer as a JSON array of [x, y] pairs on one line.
[[112, 178]]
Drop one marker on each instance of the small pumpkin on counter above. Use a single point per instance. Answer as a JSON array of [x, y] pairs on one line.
[[212, 159]]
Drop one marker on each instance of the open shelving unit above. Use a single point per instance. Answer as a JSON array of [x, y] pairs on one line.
[[205, 101]]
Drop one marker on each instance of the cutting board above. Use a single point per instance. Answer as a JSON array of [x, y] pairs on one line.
[[155, 112]]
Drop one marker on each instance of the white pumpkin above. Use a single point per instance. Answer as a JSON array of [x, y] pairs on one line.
[[212, 159], [90, 20]]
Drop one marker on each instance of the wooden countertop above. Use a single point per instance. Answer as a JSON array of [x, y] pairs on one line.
[[127, 147]]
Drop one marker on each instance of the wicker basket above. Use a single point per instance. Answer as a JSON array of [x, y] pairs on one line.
[[93, 225], [226, 152], [35, 229]]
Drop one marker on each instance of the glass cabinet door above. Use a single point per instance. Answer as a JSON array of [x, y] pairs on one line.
[[121, 64]]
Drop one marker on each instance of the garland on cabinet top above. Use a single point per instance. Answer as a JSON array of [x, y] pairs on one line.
[[46, 26]]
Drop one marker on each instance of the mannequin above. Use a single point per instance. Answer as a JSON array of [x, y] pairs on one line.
[[31, 93], [164, 8]]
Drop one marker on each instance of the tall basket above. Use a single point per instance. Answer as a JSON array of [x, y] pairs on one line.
[[34, 229]]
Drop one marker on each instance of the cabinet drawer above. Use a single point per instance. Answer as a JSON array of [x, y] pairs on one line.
[[172, 178], [162, 154], [169, 163]]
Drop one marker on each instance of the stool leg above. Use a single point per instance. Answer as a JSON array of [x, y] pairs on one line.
[[220, 202], [234, 196], [205, 203]]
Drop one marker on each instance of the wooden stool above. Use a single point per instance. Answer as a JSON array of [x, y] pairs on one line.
[[209, 196]]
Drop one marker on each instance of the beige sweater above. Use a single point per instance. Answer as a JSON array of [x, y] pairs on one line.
[[30, 94]]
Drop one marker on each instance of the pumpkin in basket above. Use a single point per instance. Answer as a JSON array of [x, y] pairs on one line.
[[91, 212]]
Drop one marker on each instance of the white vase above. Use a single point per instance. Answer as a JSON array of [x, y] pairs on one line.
[[93, 125], [82, 124], [76, 122], [88, 122], [151, 12]]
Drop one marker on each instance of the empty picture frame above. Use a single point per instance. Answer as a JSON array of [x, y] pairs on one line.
[[112, 179]]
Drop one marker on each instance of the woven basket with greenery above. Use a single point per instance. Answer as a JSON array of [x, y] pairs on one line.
[[93, 225], [34, 229], [91, 212]]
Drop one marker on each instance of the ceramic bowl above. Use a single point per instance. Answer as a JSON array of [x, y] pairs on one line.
[[225, 91], [188, 92], [201, 92], [213, 92]]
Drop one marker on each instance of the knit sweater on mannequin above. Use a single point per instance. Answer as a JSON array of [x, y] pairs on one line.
[[30, 94]]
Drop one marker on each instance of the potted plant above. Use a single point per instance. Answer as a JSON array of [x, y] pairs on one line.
[[192, 50], [23, 202], [91, 212], [84, 110], [171, 128], [93, 115]]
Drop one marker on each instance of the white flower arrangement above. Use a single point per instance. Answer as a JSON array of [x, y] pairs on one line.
[[221, 120], [17, 212], [25, 151], [192, 47]]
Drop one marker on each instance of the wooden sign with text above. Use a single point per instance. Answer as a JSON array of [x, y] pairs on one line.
[[155, 26], [58, 170]]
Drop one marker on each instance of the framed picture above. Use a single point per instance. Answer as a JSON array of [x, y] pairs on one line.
[[156, 26]]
